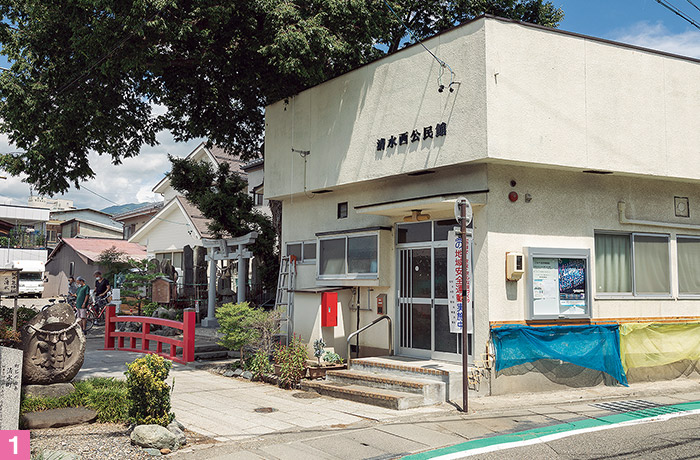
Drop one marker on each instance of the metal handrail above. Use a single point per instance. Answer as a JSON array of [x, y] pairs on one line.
[[391, 334]]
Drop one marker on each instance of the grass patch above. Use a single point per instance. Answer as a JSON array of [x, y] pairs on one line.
[[107, 396]]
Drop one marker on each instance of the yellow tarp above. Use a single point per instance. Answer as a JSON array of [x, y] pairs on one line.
[[658, 344]]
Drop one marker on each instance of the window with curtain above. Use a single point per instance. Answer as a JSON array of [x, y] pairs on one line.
[[613, 263], [635, 264], [688, 265]]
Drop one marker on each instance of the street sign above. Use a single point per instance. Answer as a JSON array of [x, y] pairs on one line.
[[9, 281], [458, 212]]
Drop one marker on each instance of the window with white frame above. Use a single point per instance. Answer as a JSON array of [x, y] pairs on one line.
[[688, 265], [348, 256], [304, 251], [633, 264]]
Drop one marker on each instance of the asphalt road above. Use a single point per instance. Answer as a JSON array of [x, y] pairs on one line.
[[677, 438]]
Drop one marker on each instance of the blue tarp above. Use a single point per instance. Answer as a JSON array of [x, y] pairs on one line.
[[594, 347]]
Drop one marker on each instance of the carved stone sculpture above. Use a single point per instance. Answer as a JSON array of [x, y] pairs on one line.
[[54, 347]]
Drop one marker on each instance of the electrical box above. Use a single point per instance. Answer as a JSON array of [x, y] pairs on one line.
[[381, 304], [329, 309], [515, 266]]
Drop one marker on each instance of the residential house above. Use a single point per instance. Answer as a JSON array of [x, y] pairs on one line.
[[136, 218], [78, 257]]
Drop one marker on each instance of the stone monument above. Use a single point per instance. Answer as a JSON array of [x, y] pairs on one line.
[[10, 387], [53, 345]]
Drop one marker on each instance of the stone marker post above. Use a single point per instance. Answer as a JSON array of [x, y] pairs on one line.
[[10, 387]]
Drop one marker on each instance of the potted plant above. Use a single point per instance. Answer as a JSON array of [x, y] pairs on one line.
[[331, 361]]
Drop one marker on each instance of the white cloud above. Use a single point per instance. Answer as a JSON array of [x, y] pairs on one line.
[[129, 182], [657, 36]]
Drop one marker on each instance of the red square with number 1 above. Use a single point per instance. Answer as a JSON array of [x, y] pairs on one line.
[[14, 445]]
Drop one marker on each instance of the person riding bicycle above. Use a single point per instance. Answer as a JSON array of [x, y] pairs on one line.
[[82, 298], [102, 289]]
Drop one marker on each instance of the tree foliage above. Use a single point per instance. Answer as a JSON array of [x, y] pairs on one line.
[[85, 74], [222, 196]]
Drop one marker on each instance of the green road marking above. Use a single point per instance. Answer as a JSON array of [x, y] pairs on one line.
[[553, 429]]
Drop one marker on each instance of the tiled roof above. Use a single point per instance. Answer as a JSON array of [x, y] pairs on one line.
[[222, 157], [197, 218], [91, 248]]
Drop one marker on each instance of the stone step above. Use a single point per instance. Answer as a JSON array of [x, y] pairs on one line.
[[390, 399], [207, 346], [209, 355], [398, 369], [432, 391]]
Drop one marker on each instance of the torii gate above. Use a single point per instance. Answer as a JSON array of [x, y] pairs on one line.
[[227, 249]]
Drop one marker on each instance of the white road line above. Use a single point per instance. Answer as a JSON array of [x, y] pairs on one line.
[[564, 434]]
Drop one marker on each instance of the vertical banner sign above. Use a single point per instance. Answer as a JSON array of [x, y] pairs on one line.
[[455, 277]]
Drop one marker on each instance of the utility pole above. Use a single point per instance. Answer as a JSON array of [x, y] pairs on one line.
[[463, 213]]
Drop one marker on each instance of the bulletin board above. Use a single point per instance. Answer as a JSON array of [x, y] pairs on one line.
[[559, 283]]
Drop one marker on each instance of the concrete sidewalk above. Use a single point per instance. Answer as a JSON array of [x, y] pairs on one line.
[[290, 424]]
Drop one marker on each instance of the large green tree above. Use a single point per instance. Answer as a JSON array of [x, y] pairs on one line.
[[85, 73], [222, 196]]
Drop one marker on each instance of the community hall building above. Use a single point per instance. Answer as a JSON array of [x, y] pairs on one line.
[[580, 159]]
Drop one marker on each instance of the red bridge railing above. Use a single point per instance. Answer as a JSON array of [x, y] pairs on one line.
[[186, 344]]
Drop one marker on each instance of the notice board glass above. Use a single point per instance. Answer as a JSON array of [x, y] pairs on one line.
[[558, 283]]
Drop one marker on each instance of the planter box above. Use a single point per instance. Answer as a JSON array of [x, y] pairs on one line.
[[316, 372]]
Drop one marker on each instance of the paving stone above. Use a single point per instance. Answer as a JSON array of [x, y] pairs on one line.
[[59, 455]]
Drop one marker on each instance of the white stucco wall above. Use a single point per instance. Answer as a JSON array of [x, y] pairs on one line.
[[172, 233], [340, 121], [568, 101], [565, 211]]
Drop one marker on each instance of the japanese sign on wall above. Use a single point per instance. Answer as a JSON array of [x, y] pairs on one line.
[[9, 281], [415, 135], [559, 286], [457, 279]]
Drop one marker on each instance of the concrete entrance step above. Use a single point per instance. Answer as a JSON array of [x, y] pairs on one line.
[[391, 399], [433, 391]]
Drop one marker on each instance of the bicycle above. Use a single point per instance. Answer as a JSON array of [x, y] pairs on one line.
[[97, 309], [70, 300]]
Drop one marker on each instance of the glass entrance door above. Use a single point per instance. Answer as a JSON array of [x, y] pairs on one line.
[[424, 326]]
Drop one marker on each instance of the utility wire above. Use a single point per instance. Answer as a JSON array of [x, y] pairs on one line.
[[678, 12], [694, 5], [97, 194], [442, 63]]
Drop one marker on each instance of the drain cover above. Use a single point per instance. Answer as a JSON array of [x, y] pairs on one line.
[[306, 395], [626, 406], [641, 409], [265, 410]]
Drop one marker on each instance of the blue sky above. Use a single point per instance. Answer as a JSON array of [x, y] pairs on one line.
[[640, 22]]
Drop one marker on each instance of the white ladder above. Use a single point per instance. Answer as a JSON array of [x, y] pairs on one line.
[[284, 300]]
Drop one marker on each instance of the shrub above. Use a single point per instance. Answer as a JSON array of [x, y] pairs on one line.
[[148, 394], [243, 326], [234, 326], [259, 364], [291, 359], [332, 358], [105, 395], [149, 308], [24, 314]]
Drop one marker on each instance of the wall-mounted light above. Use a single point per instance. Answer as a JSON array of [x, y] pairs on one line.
[[416, 216]]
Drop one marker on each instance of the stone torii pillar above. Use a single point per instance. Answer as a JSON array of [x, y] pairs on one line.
[[226, 249]]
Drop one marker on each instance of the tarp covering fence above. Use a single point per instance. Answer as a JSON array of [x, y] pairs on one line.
[[658, 344], [594, 347]]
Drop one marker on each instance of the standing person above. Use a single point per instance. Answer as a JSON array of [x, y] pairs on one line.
[[82, 296], [101, 288], [72, 289]]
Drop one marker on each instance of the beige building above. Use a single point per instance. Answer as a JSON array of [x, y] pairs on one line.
[[576, 152]]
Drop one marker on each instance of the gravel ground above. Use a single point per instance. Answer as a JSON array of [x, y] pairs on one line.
[[94, 441], [98, 441]]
